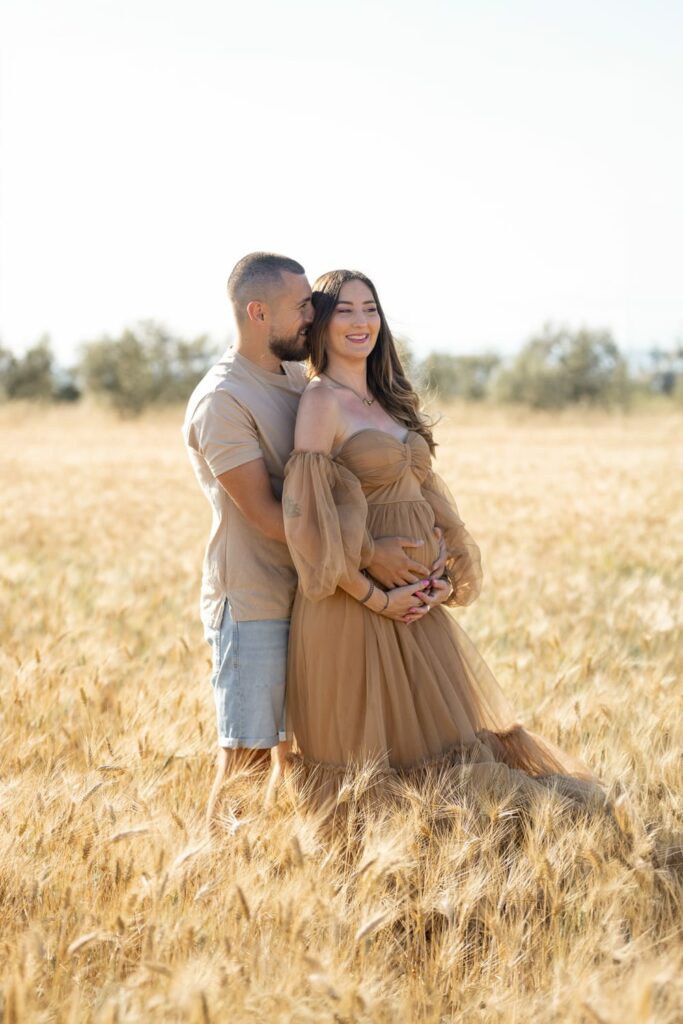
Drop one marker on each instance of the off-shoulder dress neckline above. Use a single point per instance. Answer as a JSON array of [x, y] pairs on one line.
[[372, 430]]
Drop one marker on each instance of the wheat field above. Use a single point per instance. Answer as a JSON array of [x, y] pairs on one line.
[[114, 904]]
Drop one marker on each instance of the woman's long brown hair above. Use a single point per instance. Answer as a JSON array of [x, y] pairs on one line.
[[387, 380]]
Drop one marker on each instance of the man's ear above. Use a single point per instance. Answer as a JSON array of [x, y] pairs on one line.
[[257, 311]]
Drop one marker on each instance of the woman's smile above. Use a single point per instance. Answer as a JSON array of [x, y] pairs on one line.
[[355, 322]]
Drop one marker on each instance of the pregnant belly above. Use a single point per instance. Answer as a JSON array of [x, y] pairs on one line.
[[414, 519]]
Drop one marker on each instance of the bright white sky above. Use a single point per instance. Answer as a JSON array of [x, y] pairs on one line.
[[490, 164]]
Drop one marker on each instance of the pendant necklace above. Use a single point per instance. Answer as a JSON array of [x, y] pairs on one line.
[[365, 401]]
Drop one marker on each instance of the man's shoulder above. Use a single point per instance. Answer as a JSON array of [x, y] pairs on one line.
[[296, 372], [230, 381], [220, 383], [223, 373]]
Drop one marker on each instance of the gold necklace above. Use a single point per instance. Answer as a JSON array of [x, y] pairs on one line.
[[365, 401]]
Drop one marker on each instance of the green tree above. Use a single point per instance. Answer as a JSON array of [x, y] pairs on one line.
[[453, 376], [666, 369], [559, 367], [30, 376], [145, 365], [7, 364]]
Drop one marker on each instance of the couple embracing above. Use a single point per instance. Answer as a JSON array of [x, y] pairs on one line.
[[334, 550]]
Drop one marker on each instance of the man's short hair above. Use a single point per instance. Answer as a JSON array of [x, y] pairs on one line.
[[255, 275]]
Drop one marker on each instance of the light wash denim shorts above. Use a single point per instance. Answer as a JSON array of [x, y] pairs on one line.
[[248, 680]]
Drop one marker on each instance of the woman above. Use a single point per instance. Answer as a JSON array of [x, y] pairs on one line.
[[386, 675]]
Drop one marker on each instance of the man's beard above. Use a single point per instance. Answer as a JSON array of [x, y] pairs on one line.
[[289, 349]]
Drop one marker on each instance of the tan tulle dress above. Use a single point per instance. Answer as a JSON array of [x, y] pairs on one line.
[[363, 688]]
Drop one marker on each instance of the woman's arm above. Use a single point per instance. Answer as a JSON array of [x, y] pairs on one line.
[[463, 565], [318, 428]]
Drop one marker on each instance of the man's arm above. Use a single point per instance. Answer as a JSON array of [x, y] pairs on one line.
[[227, 438], [249, 487]]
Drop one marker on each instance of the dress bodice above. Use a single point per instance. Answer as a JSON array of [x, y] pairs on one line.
[[376, 485], [387, 468]]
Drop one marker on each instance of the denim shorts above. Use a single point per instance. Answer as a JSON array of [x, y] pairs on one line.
[[248, 680]]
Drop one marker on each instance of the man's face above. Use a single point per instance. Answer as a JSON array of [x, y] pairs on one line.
[[291, 314]]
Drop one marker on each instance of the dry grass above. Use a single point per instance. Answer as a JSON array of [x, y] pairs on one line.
[[115, 907]]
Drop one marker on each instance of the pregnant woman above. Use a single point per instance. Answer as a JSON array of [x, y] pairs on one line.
[[385, 674]]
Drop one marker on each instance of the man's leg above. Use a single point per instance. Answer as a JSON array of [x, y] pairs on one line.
[[222, 762], [250, 666], [227, 762], [278, 761]]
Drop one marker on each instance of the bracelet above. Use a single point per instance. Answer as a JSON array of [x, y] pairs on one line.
[[386, 593], [369, 593]]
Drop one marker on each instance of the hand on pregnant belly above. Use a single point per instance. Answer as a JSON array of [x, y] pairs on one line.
[[406, 604], [401, 559], [437, 593]]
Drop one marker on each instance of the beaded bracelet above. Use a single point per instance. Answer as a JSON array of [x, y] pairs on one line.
[[369, 594]]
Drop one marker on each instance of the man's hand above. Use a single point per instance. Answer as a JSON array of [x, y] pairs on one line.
[[392, 566]]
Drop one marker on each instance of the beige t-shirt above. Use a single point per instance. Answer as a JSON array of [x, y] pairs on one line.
[[237, 413]]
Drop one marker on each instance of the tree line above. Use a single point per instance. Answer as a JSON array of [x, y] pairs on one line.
[[147, 365]]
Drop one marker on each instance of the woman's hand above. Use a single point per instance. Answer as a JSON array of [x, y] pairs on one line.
[[438, 592], [402, 601]]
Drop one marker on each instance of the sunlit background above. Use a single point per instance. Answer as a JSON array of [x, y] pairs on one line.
[[492, 165]]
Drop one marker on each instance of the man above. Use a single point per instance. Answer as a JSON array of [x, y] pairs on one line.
[[239, 430]]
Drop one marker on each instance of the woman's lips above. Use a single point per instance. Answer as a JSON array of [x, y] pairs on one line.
[[357, 339]]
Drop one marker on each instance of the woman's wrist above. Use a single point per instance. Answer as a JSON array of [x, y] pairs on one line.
[[374, 598], [379, 600], [448, 590]]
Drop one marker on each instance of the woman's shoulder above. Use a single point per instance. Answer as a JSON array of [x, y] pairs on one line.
[[320, 398], [318, 418]]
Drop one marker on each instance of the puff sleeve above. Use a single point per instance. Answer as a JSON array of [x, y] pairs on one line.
[[325, 516], [463, 567]]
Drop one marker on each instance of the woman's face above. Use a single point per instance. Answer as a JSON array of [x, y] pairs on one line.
[[353, 328]]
